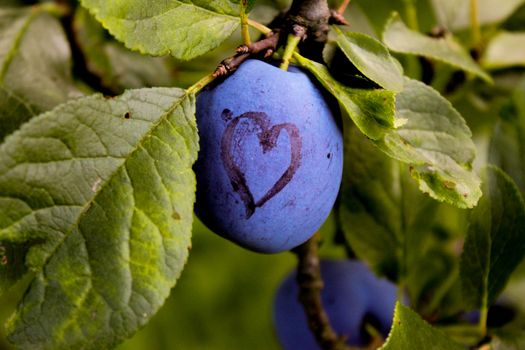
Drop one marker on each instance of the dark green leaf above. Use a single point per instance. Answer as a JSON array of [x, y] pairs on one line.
[[184, 29], [410, 332], [102, 191], [13, 112], [391, 225], [507, 146], [506, 49], [35, 65], [399, 38], [436, 142], [371, 110], [495, 243], [371, 58], [370, 203]]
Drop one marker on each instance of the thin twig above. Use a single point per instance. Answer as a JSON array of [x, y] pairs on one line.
[[310, 286], [343, 6]]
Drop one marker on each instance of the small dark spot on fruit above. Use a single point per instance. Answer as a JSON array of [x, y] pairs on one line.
[[226, 115], [329, 155], [175, 215], [127, 115]]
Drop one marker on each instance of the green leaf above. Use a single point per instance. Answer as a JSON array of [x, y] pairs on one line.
[[507, 146], [410, 332], [102, 191], [436, 142], [371, 110], [370, 203], [14, 111], [495, 243], [35, 65], [399, 38], [392, 226], [117, 67], [371, 58], [455, 15], [506, 49], [184, 29]]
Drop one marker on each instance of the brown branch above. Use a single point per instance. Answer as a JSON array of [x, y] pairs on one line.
[[230, 64], [310, 286]]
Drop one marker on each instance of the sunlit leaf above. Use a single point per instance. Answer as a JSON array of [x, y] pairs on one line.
[[506, 49], [371, 58], [101, 191], [410, 332], [371, 110], [399, 38], [454, 15], [436, 142], [184, 29]]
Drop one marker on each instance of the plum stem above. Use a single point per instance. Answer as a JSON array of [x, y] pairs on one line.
[[245, 32], [198, 86], [259, 26], [483, 316], [474, 23], [291, 46], [310, 285]]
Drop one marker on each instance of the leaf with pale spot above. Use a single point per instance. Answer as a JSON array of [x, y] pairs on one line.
[[436, 142], [100, 193]]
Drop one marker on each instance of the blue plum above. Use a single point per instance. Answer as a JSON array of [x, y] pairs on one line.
[[270, 160], [352, 296]]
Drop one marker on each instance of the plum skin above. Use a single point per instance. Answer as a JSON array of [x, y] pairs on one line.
[[270, 160], [351, 292]]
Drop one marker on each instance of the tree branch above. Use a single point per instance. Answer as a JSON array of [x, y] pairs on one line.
[[310, 18], [310, 286]]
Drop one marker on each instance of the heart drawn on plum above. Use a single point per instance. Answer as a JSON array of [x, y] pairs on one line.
[[267, 136]]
